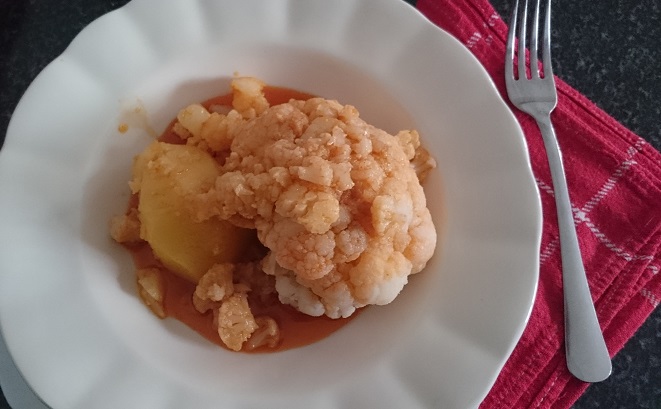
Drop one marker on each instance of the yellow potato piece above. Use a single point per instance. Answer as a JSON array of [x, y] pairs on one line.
[[165, 175]]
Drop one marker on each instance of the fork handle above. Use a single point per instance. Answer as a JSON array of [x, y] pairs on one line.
[[587, 355]]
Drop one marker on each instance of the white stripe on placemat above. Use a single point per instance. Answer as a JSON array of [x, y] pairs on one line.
[[582, 215], [649, 296]]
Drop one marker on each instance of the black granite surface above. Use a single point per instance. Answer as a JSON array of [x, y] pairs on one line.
[[610, 50]]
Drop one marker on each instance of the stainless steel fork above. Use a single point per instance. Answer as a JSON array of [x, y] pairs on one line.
[[535, 94]]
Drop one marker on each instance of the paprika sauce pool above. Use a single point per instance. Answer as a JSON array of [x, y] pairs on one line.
[[296, 329]]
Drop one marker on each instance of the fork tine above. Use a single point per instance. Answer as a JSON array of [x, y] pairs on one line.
[[534, 40], [522, 41], [546, 51], [511, 37]]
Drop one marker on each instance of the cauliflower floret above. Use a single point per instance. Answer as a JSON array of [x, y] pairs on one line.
[[421, 161], [235, 321], [193, 118], [267, 334], [380, 275], [150, 289], [126, 228], [309, 255], [223, 289], [336, 201], [215, 286], [299, 297], [350, 243], [248, 97], [316, 211]]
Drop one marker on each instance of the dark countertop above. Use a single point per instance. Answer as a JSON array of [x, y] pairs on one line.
[[608, 50]]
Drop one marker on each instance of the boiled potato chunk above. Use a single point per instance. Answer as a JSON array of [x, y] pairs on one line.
[[165, 175]]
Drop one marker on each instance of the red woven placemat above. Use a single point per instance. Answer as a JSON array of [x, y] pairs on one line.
[[614, 179]]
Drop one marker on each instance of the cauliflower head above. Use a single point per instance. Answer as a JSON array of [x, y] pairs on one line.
[[337, 201]]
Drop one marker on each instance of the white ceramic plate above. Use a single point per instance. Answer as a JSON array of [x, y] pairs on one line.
[[68, 308]]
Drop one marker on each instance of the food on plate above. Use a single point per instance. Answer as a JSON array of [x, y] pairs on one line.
[[269, 196], [166, 175]]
